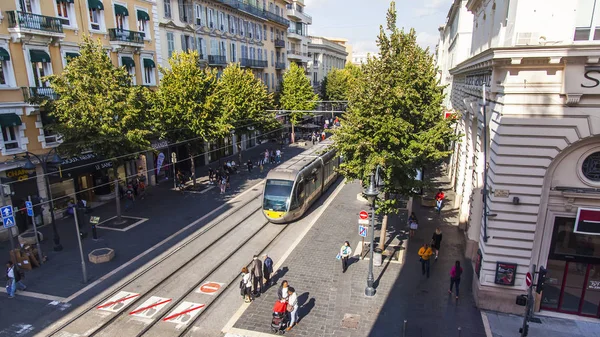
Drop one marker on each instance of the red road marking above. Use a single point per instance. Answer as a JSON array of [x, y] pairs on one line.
[[210, 287], [183, 312], [117, 301], [148, 307]]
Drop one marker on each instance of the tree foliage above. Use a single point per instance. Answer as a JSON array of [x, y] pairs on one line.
[[395, 117], [97, 106], [339, 82], [297, 93]]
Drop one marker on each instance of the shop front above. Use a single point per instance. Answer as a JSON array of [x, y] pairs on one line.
[[23, 184]]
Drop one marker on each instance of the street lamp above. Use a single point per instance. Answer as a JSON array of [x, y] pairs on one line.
[[371, 194], [44, 160]]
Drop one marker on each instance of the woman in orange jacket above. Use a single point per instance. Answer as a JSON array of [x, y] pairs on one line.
[[425, 254]]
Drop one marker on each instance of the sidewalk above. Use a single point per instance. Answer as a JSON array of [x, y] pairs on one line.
[[506, 325], [165, 211]]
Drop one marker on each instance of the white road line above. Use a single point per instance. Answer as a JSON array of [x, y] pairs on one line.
[[229, 326], [40, 296], [486, 324], [207, 189], [98, 281]]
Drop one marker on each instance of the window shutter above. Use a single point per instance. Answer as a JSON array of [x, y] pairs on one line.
[[192, 42], [183, 46], [181, 10]]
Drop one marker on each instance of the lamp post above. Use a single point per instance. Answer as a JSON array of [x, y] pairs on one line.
[[371, 194], [44, 160]]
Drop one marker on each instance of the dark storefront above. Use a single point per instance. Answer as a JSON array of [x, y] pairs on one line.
[[23, 183]]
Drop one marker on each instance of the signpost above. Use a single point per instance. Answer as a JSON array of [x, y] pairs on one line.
[[83, 269], [528, 279], [363, 221], [94, 220], [8, 221], [29, 207]]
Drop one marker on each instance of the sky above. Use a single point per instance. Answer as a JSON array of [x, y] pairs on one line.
[[359, 20]]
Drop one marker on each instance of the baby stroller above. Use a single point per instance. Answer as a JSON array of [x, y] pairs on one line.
[[280, 317]]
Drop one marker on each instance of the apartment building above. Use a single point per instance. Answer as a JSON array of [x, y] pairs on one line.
[[251, 33], [297, 36], [326, 55], [526, 171], [343, 42], [37, 38]]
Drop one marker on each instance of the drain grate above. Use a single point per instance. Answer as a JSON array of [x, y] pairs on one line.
[[350, 321]]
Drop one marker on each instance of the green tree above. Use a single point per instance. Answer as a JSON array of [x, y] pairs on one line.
[[297, 94], [242, 100], [395, 117], [337, 86], [182, 106], [97, 106]]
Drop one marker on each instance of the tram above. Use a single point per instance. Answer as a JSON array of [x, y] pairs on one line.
[[293, 186]]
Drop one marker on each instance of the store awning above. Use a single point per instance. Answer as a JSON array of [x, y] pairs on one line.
[[143, 15], [67, 1], [128, 62], [4, 55], [71, 56], [10, 119], [148, 63], [95, 4], [121, 10], [39, 56]]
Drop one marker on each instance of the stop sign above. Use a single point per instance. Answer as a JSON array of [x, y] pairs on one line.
[[363, 215], [528, 279]]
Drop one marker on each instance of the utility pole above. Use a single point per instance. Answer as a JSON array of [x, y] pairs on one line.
[[10, 233], [83, 268], [524, 330], [35, 232]]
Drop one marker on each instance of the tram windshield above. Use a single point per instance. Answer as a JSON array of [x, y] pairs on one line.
[[277, 194]]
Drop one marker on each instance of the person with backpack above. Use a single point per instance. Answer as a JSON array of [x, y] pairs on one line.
[[455, 274], [267, 269], [345, 253], [13, 276], [246, 285]]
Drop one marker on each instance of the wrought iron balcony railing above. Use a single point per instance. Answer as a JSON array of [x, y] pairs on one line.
[[24, 20], [279, 43], [217, 60], [279, 65], [251, 63], [124, 35], [37, 94], [256, 11]]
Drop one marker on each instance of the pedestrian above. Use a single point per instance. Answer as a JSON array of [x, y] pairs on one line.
[[256, 267], [260, 164], [272, 157], [211, 175], [13, 276], [323, 135], [223, 183], [292, 307], [436, 241], [267, 269], [413, 225], [266, 160], [249, 165], [282, 292], [439, 199], [455, 274], [129, 197], [425, 254], [227, 178], [246, 285], [278, 156], [345, 252]]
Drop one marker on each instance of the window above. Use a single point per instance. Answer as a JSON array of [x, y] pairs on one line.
[[265, 32], [211, 23], [40, 67], [214, 48], [187, 43], [149, 68], [143, 19], [64, 10], [259, 54], [258, 32], [185, 11], [273, 80], [6, 74], [222, 49], [167, 8], [9, 135], [129, 64], [250, 29], [267, 80], [201, 46], [242, 27], [271, 34], [232, 24], [170, 44], [96, 12], [233, 56], [121, 14], [221, 22], [50, 136], [587, 21], [198, 13], [272, 58], [266, 57]]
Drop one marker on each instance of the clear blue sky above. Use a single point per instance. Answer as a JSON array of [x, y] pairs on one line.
[[359, 20]]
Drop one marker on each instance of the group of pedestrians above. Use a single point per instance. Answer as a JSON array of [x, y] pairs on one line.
[[257, 278], [270, 156], [222, 177]]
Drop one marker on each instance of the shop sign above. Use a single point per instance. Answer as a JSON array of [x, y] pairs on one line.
[[74, 160], [594, 285], [501, 193], [478, 80], [581, 79], [587, 221], [505, 273], [592, 77], [159, 144], [19, 174], [104, 165]]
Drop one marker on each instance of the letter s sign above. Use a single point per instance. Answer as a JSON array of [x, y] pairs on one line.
[[588, 76]]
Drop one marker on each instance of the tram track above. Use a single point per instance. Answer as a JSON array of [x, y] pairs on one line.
[[174, 260]]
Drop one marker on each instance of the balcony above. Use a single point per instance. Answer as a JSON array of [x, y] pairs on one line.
[[298, 15], [38, 94], [217, 60], [279, 65], [279, 43], [251, 63], [295, 34], [258, 12], [23, 23], [123, 37]]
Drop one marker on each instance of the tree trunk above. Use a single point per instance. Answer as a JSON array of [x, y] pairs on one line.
[[192, 165], [293, 135], [382, 238], [239, 147]]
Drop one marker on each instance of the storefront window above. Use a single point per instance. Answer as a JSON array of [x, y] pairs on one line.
[[567, 243]]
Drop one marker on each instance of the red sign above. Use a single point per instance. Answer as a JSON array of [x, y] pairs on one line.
[[528, 279], [363, 215], [587, 221], [210, 287]]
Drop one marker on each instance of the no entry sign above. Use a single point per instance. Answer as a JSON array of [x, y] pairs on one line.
[[210, 288], [528, 279], [363, 215]]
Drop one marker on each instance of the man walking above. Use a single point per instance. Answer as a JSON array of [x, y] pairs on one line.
[[439, 199], [256, 269], [267, 269], [14, 279], [425, 254]]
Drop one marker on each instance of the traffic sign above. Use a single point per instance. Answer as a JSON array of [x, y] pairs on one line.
[[95, 220], [363, 221], [7, 211], [528, 279], [29, 207], [118, 302], [184, 313], [362, 231], [363, 215], [8, 222], [151, 307], [210, 288]]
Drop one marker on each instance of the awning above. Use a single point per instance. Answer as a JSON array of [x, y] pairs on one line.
[[71, 55], [143, 15], [39, 56], [67, 1], [4, 55], [10, 119], [128, 62], [121, 10], [148, 63], [95, 4]]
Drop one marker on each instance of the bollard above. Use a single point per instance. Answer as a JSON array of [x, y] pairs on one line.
[[459, 331], [404, 329]]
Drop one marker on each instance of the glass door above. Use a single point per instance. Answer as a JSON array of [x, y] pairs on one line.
[[573, 288], [591, 297], [554, 283]]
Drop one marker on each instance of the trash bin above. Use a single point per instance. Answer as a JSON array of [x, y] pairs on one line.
[[377, 257]]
